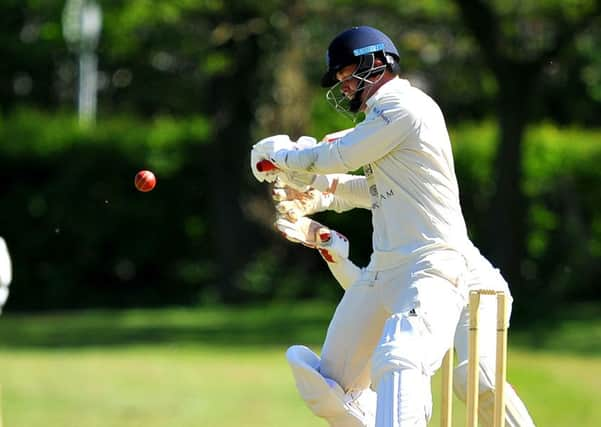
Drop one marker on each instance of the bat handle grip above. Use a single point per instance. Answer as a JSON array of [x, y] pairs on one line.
[[265, 166]]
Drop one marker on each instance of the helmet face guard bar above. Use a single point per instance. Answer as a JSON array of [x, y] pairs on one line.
[[350, 105]]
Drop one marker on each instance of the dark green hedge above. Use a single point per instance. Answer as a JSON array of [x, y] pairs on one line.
[[562, 178], [81, 235], [78, 231]]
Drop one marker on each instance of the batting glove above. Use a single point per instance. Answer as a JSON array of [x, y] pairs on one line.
[[264, 150], [332, 245], [293, 204], [279, 156]]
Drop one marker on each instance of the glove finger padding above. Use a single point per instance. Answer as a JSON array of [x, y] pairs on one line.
[[300, 181], [264, 150], [306, 142], [275, 143], [332, 245], [291, 210], [282, 192], [256, 157], [295, 204], [304, 230]]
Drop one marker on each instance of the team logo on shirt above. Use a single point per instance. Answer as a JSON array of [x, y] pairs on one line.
[[377, 198], [380, 113], [373, 190]]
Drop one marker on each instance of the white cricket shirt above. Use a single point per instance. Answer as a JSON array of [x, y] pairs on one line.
[[405, 151]]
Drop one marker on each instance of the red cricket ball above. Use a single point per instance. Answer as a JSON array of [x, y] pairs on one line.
[[145, 181]]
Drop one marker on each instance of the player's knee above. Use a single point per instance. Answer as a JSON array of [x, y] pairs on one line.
[[302, 355], [384, 363], [486, 382], [387, 359]]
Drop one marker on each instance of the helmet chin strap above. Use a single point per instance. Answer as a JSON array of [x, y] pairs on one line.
[[356, 102]]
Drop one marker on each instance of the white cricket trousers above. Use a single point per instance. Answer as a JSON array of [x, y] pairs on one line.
[[393, 327], [482, 275]]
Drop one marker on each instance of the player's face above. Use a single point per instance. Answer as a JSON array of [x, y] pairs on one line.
[[348, 85]]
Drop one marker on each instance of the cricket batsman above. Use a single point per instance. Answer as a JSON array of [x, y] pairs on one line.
[[293, 208], [397, 319]]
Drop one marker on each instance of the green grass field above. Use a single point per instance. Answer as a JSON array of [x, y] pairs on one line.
[[225, 368]]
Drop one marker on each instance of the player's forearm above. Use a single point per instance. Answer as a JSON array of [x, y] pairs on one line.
[[352, 189], [342, 192], [383, 131], [322, 159]]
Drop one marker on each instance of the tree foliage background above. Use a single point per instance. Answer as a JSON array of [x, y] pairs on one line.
[[186, 87]]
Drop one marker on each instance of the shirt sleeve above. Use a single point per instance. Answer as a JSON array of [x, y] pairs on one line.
[[352, 189], [387, 126], [329, 202], [343, 192]]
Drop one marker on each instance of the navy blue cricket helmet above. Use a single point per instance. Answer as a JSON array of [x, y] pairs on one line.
[[348, 46]]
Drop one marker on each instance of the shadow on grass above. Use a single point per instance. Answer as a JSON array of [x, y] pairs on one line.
[[574, 331], [255, 326]]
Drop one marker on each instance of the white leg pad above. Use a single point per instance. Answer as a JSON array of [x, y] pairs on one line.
[[516, 414], [402, 400], [402, 385], [325, 397]]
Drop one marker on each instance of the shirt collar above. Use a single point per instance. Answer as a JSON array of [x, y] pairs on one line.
[[393, 85]]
